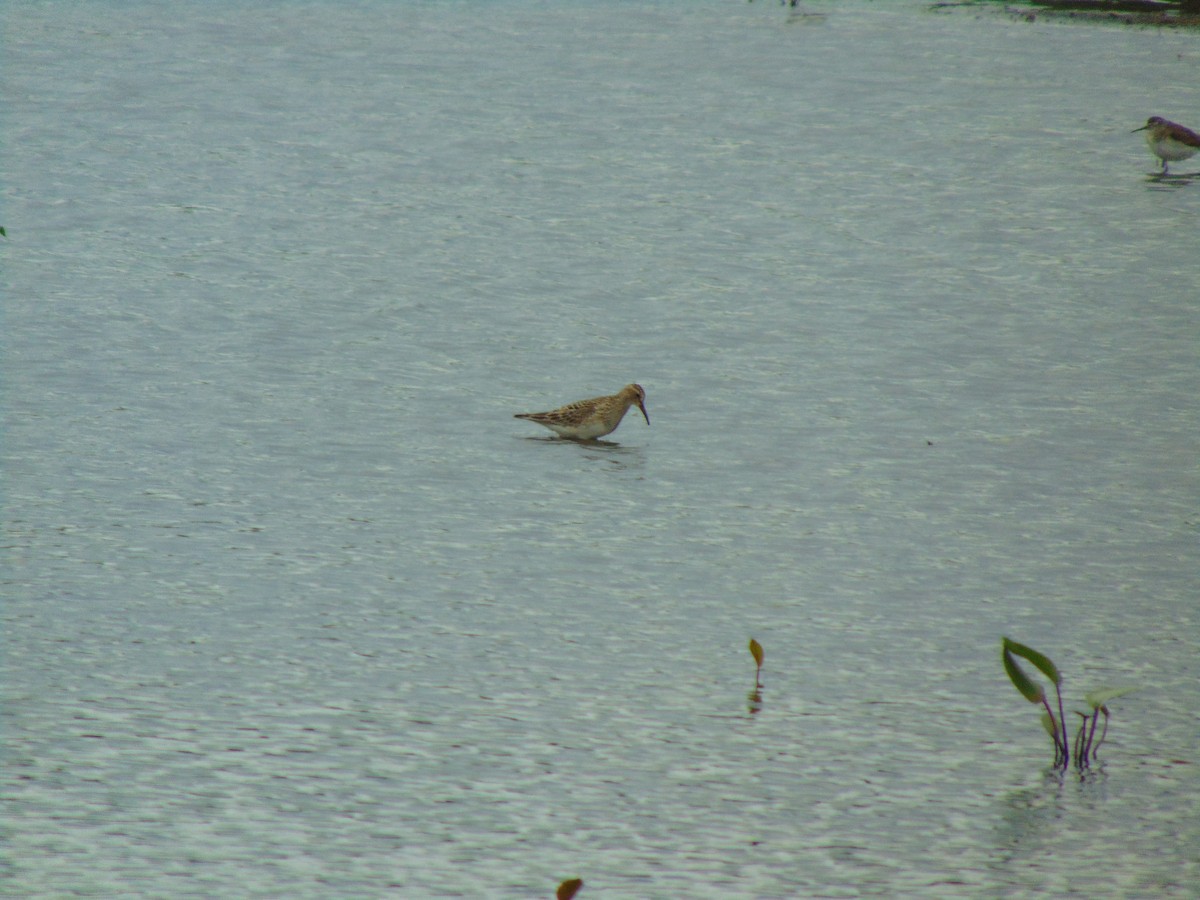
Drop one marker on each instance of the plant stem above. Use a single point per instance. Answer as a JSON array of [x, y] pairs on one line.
[[1080, 753], [1060, 749], [1063, 722], [1092, 734], [1103, 734]]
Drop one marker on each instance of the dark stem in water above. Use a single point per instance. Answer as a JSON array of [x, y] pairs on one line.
[[1063, 724]]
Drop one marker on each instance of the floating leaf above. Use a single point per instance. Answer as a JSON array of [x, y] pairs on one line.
[[756, 651], [1041, 661], [3, 232], [1098, 698], [569, 888], [1030, 689]]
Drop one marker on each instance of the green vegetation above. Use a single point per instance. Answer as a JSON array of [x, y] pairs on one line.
[[1085, 746], [756, 651], [755, 697]]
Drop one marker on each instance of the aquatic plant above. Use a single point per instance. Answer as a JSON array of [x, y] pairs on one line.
[[1085, 746], [755, 697], [756, 651], [568, 889]]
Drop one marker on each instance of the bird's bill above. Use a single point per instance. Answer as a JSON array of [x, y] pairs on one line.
[[1143, 128], [645, 414]]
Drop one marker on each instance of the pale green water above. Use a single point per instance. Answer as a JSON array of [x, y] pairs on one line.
[[295, 608]]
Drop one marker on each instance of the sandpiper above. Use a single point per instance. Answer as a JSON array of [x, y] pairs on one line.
[[586, 420], [1169, 141]]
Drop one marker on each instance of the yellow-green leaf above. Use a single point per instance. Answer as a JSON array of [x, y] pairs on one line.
[[1098, 698], [756, 651], [1050, 725]]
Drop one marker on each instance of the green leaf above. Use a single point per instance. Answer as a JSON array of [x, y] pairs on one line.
[[3, 232], [1042, 662], [1030, 689], [1099, 697], [756, 651], [1050, 725]]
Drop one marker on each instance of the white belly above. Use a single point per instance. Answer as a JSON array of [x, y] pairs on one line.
[[1171, 150], [585, 432]]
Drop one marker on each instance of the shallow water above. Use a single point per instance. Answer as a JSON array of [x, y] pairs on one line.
[[295, 608]]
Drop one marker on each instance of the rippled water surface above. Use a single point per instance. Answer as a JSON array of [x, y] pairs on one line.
[[293, 607]]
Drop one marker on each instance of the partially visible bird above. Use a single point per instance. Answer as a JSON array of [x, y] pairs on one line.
[[586, 420], [1169, 141]]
